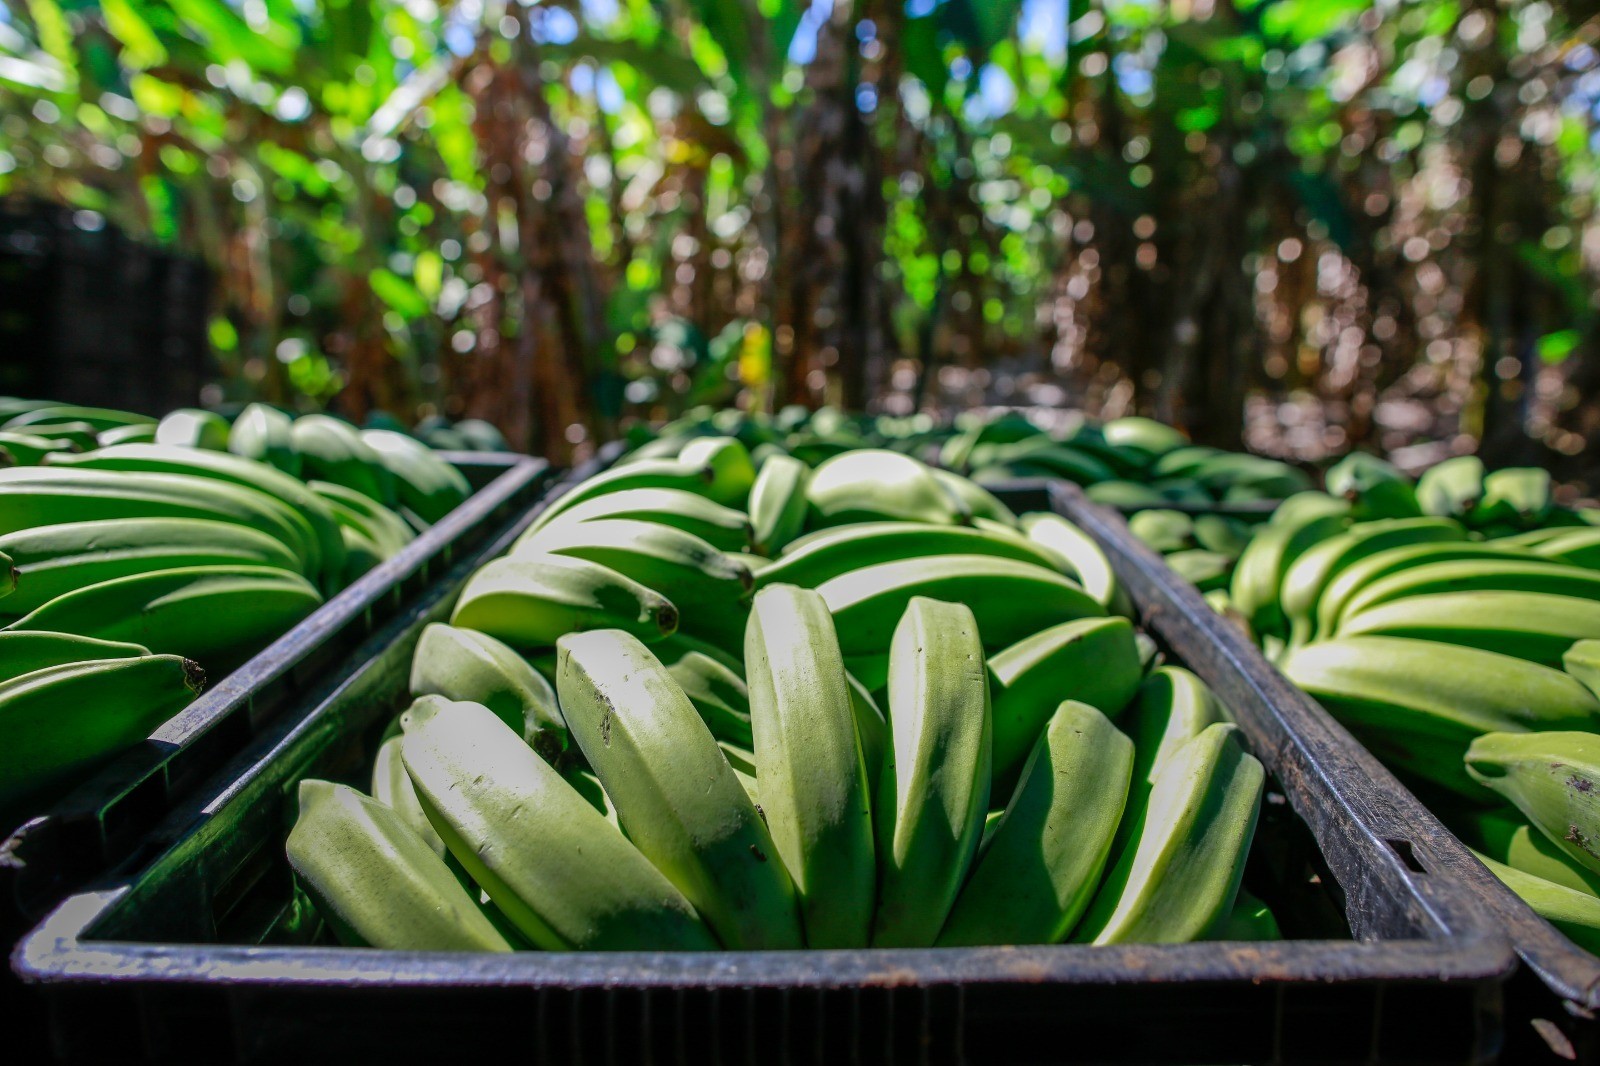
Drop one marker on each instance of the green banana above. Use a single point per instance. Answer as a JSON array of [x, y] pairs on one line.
[[230, 470], [1094, 661], [975, 499], [1553, 778], [839, 550], [1580, 547], [1040, 865], [718, 693], [644, 474], [659, 557], [55, 560], [1353, 580], [871, 730], [1250, 920], [331, 450], [361, 556], [1518, 495], [809, 764], [1219, 533], [219, 615], [1376, 489], [1259, 572], [1310, 574], [375, 881], [78, 436], [391, 786], [1084, 558], [430, 487], [676, 796], [262, 433], [1582, 661], [530, 602], [1181, 879], [1535, 626], [1506, 837], [1162, 530], [43, 496], [24, 651], [1418, 704], [1481, 574], [101, 418], [139, 434], [721, 527], [1575, 914], [8, 576], [351, 510], [733, 473], [57, 725], [1171, 708], [190, 427], [1125, 494], [1143, 436], [30, 450], [778, 503], [1015, 598], [472, 667], [564, 876], [1452, 488], [872, 484], [1206, 570], [934, 790]]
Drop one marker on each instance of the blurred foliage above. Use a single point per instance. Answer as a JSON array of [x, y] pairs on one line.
[[1304, 224]]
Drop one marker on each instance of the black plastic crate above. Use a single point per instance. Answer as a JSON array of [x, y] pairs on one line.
[[1175, 611], [103, 820], [203, 953]]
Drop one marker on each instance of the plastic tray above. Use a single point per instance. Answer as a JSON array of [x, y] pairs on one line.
[[102, 821], [198, 949]]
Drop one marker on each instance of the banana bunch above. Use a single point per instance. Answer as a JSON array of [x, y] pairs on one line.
[[877, 717], [1203, 549]]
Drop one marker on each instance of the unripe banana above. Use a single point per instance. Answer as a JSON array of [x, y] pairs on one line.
[[871, 484], [28, 449], [1206, 570], [467, 666], [1451, 489], [352, 510], [1092, 660], [1041, 864], [1580, 547], [56, 721], [1181, 879], [220, 615], [1250, 920], [1221, 534], [1418, 704], [375, 881], [1061, 462], [975, 499], [1519, 495], [1506, 837], [24, 651], [644, 474], [778, 503], [530, 603], [391, 786], [842, 549], [696, 575], [934, 791], [1582, 661], [101, 418], [718, 693], [1083, 556], [809, 764], [361, 556], [675, 794], [308, 511], [424, 483], [563, 875], [190, 427], [1528, 625], [1376, 489], [733, 473], [871, 730], [1310, 574], [1172, 707], [331, 450], [1553, 778], [142, 434], [1258, 574], [42, 496], [79, 436], [1144, 437], [1576, 914], [262, 433], [1162, 530], [1012, 599], [1355, 578], [55, 560], [721, 527]]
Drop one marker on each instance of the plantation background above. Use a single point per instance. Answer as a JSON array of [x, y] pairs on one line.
[[1301, 225]]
